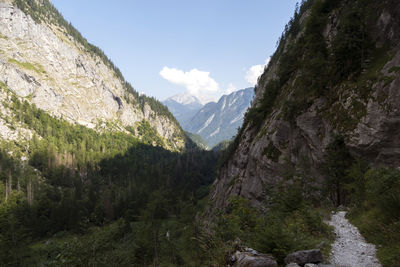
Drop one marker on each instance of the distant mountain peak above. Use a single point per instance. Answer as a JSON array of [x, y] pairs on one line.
[[184, 106], [219, 121], [185, 99]]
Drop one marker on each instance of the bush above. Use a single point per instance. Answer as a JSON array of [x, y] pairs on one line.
[[383, 189], [290, 223], [378, 217]]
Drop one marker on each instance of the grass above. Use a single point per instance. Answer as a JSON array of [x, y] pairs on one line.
[[28, 66], [272, 152], [3, 85], [395, 69], [386, 236]]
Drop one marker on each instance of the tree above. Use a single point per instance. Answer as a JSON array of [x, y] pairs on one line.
[[337, 161]]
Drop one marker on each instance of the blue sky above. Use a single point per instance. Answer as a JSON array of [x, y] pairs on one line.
[[165, 47]]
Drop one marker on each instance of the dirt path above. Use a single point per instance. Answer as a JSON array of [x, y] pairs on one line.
[[350, 249]]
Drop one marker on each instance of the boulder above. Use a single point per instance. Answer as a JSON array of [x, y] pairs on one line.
[[310, 265], [305, 256], [292, 264], [251, 258]]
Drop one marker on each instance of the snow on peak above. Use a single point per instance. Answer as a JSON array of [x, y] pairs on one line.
[[185, 98]]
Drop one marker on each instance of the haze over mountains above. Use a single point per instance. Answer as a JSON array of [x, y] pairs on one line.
[[214, 122], [183, 106]]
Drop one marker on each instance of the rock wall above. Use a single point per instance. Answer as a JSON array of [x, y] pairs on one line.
[[266, 152], [43, 64]]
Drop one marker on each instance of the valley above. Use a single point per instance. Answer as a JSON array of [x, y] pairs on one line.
[[306, 162]]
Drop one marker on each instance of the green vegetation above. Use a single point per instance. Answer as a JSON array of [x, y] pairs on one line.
[[271, 152], [223, 145], [372, 194], [257, 113], [308, 65], [337, 162], [148, 134], [3, 86], [28, 66], [89, 198], [198, 140], [86, 198], [378, 214], [43, 11], [292, 223], [159, 109]]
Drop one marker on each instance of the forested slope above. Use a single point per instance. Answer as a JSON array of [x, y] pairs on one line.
[[91, 172], [322, 131]]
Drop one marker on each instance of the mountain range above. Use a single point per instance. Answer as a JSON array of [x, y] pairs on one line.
[[214, 122], [183, 106], [94, 174]]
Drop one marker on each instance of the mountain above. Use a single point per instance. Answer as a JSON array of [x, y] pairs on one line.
[[48, 63], [83, 186], [184, 106], [329, 91], [84, 158], [321, 133], [221, 145], [219, 121], [186, 99], [198, 140]]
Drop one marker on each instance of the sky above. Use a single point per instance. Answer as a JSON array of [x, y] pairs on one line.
[[166, 47]]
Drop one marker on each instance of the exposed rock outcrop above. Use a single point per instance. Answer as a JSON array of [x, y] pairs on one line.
[[305, 256], [42, 63], [365, 112], [250, 258]]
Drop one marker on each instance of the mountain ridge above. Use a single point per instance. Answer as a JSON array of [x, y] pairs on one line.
[[218, 121], [65, 75], [183, 106], [317, 87]]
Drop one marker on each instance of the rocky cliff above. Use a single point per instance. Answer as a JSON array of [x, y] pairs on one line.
[[45, 61], [335, 72]]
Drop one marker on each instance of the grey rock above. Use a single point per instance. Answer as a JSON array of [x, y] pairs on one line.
[[292, 264], [305, 256], [373, 137], [251, 259], [219, 121], [310, 265], [42, 64]]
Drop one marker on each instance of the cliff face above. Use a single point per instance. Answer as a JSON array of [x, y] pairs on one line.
[[42, 63], [312, 90]]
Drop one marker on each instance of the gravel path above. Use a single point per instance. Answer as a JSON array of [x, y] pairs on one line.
[[350, 249]]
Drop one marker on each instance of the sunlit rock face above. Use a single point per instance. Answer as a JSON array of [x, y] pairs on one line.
[[41, 63]]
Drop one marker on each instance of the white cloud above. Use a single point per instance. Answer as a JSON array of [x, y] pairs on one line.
[[255, 71], [198, 83]]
